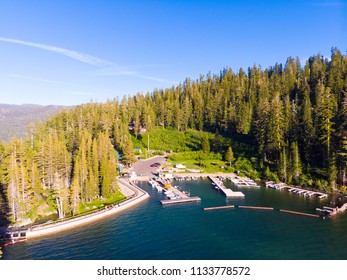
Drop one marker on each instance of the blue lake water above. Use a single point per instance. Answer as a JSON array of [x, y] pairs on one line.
[[153, 231]]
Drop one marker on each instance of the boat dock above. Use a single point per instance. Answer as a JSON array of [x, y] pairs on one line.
[[332, 211], [295, 190], [175, 196], [256, 207], [13, 233], [218, 207], [240, 206], [228, 192], [156, 185], [243, 182], [180, 200], [299, 213]]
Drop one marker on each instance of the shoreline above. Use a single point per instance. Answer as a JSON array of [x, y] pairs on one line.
[[48, 229]]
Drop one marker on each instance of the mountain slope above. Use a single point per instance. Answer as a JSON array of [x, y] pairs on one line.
[[15, 119]]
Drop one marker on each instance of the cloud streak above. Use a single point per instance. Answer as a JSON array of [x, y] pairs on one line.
[[79, 56], [131, 73]]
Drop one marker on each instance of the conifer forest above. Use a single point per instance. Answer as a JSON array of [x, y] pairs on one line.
[[294, 115]]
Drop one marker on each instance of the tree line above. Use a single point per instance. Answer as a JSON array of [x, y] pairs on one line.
[[295, 116]]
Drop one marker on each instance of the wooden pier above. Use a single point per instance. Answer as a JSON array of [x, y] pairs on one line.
[[332, 211], [180, 200], [175, 196], [228, 192], [219, 207], [256, 207], [300, 213], [295, 190], [243, 182]]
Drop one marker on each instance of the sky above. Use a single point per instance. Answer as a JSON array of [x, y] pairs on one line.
[[69, 52]]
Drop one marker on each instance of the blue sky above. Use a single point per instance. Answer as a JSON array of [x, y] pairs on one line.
[[71, 52]]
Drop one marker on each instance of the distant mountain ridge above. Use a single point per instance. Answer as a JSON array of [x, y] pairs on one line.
[[15, 119]]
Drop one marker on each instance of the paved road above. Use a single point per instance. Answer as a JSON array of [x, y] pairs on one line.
[[142, 167]]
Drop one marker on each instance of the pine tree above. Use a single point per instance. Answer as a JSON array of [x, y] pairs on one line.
[[324, 118], [295, 161], [230, 156], [128, 152], [307, 123], [342, 138], [205, 145], [276, 127], [217, 142]]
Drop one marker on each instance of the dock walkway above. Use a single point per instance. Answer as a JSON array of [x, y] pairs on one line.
[[332, 211], [295, 190], [228, 192], [175, 196], [180, 200], [243, 182]]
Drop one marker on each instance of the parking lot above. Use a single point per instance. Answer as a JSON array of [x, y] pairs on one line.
[[144, 168]]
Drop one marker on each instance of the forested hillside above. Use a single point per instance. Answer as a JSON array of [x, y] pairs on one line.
[[15, 119], [295, 116]]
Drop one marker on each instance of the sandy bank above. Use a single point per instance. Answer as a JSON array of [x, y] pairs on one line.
[[137, 196]]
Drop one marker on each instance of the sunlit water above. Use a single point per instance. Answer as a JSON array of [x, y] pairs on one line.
[[153, 231]]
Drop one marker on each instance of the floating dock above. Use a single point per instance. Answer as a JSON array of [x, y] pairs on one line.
[[256, 207], [295, 190], [332, 211], [299, 213], [228, 192], [243, 182], [263, 208], [219, 207], [175, 196], [180, 200]]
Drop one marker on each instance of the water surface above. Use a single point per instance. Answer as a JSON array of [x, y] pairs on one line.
[[153, 231]]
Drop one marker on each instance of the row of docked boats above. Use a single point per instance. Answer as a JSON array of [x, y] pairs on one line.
[[218, 183], [185, 178], [276, 186], [156, 185], [332, 211], [243, 182], [307, 193]]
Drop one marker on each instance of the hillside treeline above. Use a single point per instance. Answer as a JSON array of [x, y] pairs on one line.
[[295, 116]]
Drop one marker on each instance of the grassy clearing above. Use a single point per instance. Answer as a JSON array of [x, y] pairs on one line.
[[101, 203], [205, 166], [187, 148], [166, 139]]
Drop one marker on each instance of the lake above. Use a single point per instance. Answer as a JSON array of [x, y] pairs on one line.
[[151, 231]]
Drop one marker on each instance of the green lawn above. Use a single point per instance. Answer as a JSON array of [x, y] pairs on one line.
[[208, 166], [101, 203]]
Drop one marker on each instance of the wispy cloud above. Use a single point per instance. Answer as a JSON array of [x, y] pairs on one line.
[[86, 58], [107, 68], [131, 73]]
